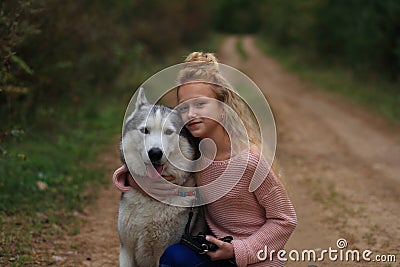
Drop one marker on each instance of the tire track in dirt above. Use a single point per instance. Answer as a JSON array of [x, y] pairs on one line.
[[339, 162]]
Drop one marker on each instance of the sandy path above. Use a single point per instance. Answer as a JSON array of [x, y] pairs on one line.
[[339, 162], [97, 244]]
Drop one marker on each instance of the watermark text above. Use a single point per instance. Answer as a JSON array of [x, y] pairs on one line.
[[340, 253]]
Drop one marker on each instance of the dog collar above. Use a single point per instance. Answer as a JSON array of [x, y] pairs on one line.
[[186, 193]]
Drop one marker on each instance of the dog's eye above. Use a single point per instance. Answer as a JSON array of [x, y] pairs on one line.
[[169, 132], [144, 130]]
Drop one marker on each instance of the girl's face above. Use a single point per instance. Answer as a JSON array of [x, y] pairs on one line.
[[199, 109]]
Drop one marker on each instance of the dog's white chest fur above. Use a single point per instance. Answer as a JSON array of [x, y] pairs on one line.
[[146, 228]]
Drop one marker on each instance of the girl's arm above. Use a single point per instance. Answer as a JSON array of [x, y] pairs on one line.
[[121, 178], [281, 222], [124, 182]]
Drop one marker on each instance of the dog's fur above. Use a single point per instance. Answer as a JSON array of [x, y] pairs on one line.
[[146, 226]]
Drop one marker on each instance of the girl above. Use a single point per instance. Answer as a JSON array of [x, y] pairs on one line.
[[255, 220]]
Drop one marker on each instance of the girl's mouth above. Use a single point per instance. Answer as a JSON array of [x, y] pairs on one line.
[[193, 123]]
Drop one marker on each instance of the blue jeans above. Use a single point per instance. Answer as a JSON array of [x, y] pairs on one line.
[[179, 255]]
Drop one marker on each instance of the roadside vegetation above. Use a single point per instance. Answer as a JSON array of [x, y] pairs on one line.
[[240, 49]]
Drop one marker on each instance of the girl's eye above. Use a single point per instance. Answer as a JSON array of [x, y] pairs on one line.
[[169, 132], [183, 108], [200, 104], [144, 130]]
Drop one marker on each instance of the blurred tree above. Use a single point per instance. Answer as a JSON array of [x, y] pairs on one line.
[[15, 73], [363, 34], [236, 16], [66, 50]]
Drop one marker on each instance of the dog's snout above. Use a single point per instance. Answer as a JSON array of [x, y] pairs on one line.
[[155, 154]]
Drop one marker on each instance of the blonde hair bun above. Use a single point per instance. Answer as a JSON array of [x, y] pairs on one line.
[[201, 56], [201, 66]]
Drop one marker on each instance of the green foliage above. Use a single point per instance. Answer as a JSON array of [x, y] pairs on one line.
[[14, 28], [369, 32], [54, 49], [240, 49], [44, 170], [289, 23], [48, 173], [362, 34], [236, 16]]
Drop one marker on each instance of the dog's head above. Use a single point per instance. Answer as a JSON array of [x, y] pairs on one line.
[[155, 141]]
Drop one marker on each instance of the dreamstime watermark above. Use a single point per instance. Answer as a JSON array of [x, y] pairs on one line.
[[340, 253]]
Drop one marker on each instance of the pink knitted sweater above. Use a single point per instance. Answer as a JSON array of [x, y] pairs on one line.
[[265, 217], [254, 219]]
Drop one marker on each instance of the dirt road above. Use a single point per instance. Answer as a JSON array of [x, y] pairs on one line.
[[340, 165]]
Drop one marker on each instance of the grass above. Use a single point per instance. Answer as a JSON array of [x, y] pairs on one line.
[[45, 171], [373, 92], [240, 49]]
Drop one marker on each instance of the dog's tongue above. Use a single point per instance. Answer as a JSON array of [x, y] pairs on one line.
[[154, 171]]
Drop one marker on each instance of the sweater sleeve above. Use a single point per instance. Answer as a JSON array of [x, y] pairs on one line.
[[280, 222], [119, 179]]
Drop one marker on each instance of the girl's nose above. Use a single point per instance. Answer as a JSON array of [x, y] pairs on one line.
[[192, 113]]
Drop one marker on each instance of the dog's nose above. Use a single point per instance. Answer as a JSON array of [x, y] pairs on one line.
[[155, 154]]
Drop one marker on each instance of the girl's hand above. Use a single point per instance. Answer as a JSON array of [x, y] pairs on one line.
[[224, 251], [155, 187]]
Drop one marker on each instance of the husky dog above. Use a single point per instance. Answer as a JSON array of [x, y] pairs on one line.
[[153, 139]]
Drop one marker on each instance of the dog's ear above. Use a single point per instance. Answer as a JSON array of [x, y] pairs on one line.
[[141, 99]]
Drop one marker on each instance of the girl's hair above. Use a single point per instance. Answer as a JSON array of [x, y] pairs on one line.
[[203, 67]]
